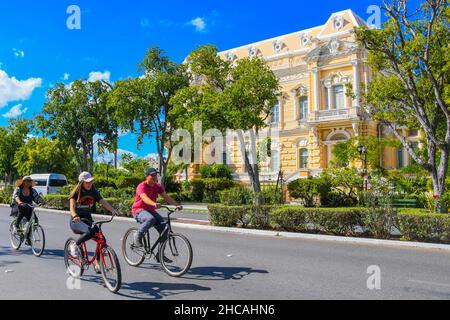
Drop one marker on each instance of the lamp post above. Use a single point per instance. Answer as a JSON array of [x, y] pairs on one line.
[[363, 152]]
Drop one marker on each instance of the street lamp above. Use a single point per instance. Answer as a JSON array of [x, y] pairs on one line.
[[363, 152]]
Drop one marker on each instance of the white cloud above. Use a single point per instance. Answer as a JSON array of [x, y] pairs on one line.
[[12, 89], [97, 75], [66, 76], [19, 53], [199, 24], [15, 111]]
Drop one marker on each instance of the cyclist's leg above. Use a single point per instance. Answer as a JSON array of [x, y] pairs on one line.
[[24, 212], [146, 221], [160, 226], [84, 230]]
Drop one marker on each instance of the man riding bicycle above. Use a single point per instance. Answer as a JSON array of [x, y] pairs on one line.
[[145, 206]]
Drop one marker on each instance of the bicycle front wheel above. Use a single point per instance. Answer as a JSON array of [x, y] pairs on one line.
[[110, 267], [37, 238], [175, 255], [132, 255], [15, 238]]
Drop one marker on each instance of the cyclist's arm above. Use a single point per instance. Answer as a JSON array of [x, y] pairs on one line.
[[73, 212], [17, 200], [106, 205], [149, 201], [171, 201]]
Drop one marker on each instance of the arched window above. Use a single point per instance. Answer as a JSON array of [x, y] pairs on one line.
[[303, 156]]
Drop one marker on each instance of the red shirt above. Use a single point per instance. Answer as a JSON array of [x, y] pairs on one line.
[[152, 192]]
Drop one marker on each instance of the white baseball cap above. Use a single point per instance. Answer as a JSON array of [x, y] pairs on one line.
[[85, 177]]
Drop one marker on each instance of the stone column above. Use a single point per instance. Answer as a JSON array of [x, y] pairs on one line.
[[330, 95], [316, 88], [296, 105], [356, 84]]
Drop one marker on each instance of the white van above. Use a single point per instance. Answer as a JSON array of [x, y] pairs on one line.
[[49, 183]]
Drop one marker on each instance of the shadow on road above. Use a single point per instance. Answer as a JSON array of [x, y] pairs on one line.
[[221, 273], [158, 290]]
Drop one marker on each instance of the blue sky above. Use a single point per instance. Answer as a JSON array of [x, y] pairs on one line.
[[37, 49]]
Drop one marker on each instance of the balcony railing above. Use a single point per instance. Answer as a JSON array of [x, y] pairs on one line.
[[336, 114]]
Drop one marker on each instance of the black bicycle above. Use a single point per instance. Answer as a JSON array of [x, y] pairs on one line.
[[28, 230], [175, 253]]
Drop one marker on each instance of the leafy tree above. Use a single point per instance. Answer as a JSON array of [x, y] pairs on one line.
[[226, 96], [410, 58], [215, 170], [309, 190], [77, 116], [142, 105], [41, 155], [346, 181], [12, 138]]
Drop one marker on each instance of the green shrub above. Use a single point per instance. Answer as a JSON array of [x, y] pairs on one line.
[[290, 218], [309, 191], [198, 189], [126, 193], [269, 196], [128, 182], [102, 182], [421, 225], [229, 216], [236, 196], [57, 202], [380, 217], [215, 170]]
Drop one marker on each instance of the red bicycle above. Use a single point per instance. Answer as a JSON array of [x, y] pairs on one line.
[[104, 255]]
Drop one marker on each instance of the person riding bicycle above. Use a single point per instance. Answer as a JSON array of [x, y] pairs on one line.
[[83, 200], [145, 205], [23, 198]]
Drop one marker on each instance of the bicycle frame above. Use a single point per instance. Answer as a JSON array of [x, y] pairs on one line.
[[167, 232]]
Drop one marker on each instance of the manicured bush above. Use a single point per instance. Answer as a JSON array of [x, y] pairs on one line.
[[337, 221], [421, 225], [198, 189], [57, 202], [229, 216], [236, 196], [206, 190]]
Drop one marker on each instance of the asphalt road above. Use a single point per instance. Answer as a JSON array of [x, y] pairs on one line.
[[229, 266]]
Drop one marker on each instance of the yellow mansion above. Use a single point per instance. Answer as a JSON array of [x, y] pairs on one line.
[[315, 66]]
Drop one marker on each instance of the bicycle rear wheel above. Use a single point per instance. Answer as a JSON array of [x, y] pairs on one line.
[[74, 265], [132, 255], [15, 238], [110, 267], [175, 255], [37, 238]]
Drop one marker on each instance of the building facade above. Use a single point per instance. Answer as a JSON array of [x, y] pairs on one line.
[[315, 68]]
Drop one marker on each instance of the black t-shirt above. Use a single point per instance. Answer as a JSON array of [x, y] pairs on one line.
[[87, 204]]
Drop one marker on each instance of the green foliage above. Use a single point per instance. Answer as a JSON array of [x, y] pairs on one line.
[[128, 182], [215, 171], [41, 155], [309, 190], [102, 182], [236, 196], [207, 190], [345, 181], [233, 216], [420, 225], [380, 218]]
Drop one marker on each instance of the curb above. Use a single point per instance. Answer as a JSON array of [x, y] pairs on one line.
[[288, 235]]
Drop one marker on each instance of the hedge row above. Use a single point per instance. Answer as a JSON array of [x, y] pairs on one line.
[[413, 224], [61, 202]]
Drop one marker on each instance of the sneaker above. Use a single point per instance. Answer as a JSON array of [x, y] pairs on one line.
[[166, 260], [138, 240], [75, 250]]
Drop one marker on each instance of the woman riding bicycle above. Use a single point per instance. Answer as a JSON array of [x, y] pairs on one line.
[[83, 200], [23, 198]]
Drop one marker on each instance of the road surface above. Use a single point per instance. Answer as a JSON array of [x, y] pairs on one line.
[[230, 266]]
